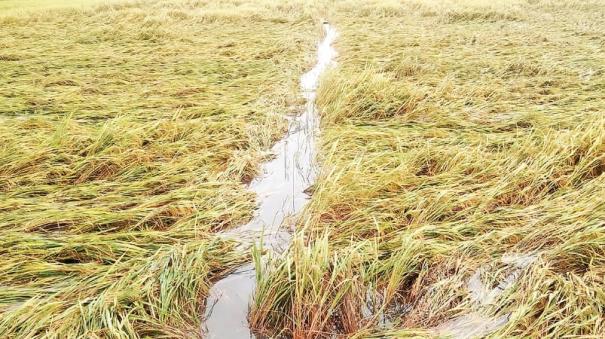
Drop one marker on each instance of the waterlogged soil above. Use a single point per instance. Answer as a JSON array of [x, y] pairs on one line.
[[281, 194], [476, 323]]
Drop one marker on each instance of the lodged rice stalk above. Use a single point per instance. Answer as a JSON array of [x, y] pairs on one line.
[[129, 132], [454, 135]]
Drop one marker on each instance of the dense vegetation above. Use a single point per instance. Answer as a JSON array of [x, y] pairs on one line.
[[462, 154], [128, 134], [454, 136]]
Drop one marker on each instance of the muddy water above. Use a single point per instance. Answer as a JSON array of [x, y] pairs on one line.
[[477, 324], [281, 194]]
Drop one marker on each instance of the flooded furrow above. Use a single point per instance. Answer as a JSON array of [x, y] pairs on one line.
[[281, 194]]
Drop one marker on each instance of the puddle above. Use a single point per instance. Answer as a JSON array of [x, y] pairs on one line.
[[471, 325], [476, 324], [281, 194], [383, 316]]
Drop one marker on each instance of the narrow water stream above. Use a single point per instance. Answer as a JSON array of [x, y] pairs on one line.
[[281, 193]]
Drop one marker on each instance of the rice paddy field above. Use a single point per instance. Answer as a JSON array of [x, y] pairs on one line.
[[129, 132], [462, 151]]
